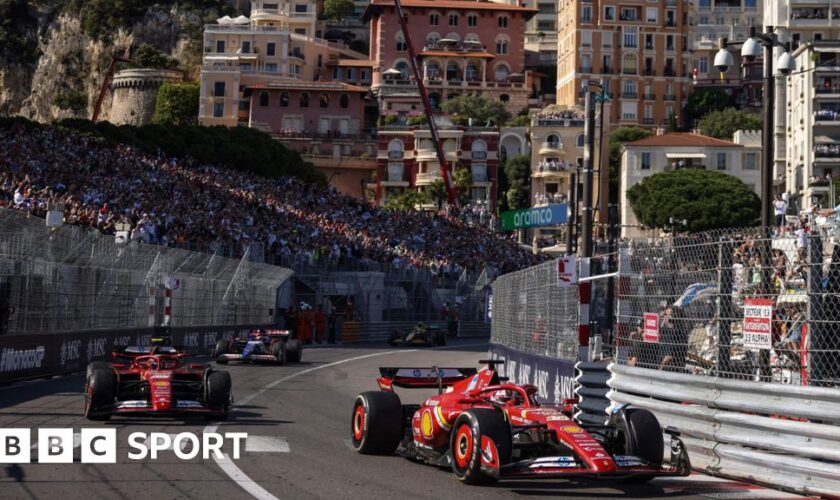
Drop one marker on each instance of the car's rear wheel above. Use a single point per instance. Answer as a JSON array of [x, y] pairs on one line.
[[643, 439], [278, 350], [466, 448], [100, 392], [377, 423], [294, 350], [217, 392], [221, 348]]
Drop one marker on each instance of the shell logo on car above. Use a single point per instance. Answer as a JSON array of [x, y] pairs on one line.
[[571, 429]]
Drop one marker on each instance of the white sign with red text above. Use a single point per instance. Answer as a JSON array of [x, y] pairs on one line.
[[566, 271], [758, 323], [651, 328]]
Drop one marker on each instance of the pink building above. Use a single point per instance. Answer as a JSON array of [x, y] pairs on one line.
[[464, 46], [406, 159]]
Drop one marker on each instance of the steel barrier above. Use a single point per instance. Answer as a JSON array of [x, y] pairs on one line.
[[782, 435]]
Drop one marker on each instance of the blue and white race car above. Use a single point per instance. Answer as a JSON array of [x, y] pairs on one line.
[[266, 346]]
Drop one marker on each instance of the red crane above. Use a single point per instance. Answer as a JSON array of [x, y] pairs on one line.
[[451, 193], [109, 75]]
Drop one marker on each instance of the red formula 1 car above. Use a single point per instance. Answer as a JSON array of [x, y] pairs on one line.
[[155, 380], [261, 346], [486, 430]]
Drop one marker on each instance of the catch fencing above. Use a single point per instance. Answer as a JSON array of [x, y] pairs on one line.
[[534, 314], [732, 304], [76, 279]]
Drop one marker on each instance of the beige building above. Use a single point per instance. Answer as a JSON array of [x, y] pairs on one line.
[[640, 49], [556, 147], [740, 158], [275, 43]]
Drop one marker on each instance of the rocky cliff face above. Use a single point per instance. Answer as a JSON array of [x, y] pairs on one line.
[[68, 62]]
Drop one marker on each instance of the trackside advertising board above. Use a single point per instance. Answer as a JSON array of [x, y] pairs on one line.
[[758, 326], [554, 378], [651, 328], [549, 215], [566, 271]]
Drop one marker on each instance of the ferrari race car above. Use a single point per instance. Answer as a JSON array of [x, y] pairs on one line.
[[485, 429], [269, 346], [420, 334], [154, 379]]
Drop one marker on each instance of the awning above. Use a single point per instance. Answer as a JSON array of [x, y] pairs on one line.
[[824, 139], [683, 156]]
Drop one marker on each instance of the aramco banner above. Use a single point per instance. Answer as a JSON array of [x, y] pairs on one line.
[[549, 215]]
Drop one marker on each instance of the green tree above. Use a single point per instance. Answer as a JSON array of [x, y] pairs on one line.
[[462, 179], [722, 124], [437, 192], [177, 104], [74, 100], [707, 199], [516, 170], [406, 201], [482, 110], [617, 138], [338, 9], [146, 56], [705, 100]]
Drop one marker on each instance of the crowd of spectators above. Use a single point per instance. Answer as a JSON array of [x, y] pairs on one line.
[[548, 198], [553, 165], [176, 202], [827, 150], [827, 115]]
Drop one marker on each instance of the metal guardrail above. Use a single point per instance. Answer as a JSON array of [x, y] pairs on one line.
[[776, 434]]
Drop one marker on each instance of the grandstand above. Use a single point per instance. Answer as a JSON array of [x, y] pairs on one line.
[[179, 203]]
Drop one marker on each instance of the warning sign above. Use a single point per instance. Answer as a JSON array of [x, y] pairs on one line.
[[651, 328], [758, 323], [566, 271]]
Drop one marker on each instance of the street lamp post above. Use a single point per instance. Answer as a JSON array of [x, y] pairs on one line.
[[588, 165], [750, 50]]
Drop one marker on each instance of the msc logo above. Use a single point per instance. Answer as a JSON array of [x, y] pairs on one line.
[[191, 340], [69, 351], [24, 359], [96, 348]]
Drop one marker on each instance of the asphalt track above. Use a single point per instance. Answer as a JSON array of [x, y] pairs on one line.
[[299, 416]]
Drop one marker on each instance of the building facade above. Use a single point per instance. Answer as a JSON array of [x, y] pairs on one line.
[[275, 43], [465, 46], [557, 146], [662, 153], [407, 159], [733, 20], [639, 49], [813, 133]]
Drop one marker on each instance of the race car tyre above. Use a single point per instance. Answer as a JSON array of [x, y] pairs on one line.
[[96, 365], [221, 348], [278, 350], [218, 394], [644, 439], [465, 443], [100, 392], [394, 338], [294, 351], [377, 423]]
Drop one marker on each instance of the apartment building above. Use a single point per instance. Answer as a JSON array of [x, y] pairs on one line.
[[730, 19], [541, 35], [640, 50], [465, 46], [275, 43], [557, 145], [407, 159], [813, 130], [661, 153]]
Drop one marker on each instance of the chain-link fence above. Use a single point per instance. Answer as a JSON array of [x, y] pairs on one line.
[[71, 278], [532, 313], [735, 304]]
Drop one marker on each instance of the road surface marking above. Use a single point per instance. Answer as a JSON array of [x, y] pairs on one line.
[[267, 444]]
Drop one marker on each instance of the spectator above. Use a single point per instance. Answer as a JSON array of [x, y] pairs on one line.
[[779, 208]]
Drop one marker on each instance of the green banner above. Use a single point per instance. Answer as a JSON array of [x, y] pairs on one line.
[[549, 215]]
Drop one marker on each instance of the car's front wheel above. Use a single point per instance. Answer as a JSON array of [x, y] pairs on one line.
[[473, 461], [278, 350], [100, 392], [217, 392]]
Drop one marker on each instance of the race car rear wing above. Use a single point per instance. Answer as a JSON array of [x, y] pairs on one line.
[[422, 378]]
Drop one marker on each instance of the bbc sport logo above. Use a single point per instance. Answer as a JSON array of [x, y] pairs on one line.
[[99, 446]]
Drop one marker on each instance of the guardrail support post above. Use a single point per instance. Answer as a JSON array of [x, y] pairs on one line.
[[724, 312]]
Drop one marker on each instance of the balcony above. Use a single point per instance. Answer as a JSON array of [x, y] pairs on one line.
[[647, 121], [586, 69], [427, 178], [552, 168], [629, 95], [548, 148], [670, 23], [629, 71], [649, 72], [649, 97], [809, 15], [670, 97], [606, 70], [832, 116], [827, 152], [669, 72]]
